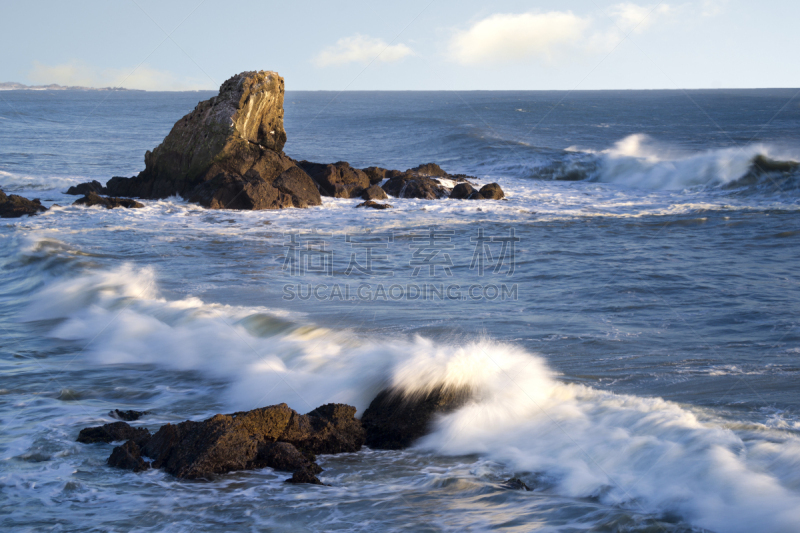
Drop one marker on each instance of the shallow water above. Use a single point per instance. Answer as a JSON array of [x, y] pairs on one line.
[[639, 373]]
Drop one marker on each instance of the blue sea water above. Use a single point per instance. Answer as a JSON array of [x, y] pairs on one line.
[[635, 361]]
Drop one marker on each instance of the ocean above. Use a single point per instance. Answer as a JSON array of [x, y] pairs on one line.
[[627, 318]]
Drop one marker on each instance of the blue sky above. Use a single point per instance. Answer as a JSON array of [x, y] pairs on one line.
[[409, 45]]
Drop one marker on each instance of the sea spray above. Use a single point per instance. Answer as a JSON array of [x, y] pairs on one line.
[[645, 454]]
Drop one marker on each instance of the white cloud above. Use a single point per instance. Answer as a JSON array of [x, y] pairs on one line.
[[514, 37], [361, 49], [632, 17], [144, 77]]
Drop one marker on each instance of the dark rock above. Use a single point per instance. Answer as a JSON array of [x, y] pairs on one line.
[[515, 483], [239, 441], [378, 174], [128, 416], [304, 476], [249, 192], [492, 191], [429, 169], [414, 186], [93, 199], [284, 456], [339, 180], [374, 205], [462, 191], [295, 182], [114, 431], [129, 457], [13, 206], [394, 421], [238, 132], [374, 192], [85, 188]]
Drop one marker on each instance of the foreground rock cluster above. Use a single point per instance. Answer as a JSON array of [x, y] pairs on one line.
[[277, 436], [13, 206], [228, 154]]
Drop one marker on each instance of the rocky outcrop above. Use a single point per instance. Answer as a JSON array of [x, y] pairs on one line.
[[93, 199], [128, 457], [374, 205], [227, 153], [374, 192], [13, 206], [115, 431], [242, 441], [394, 421], [85, 188], [339, 180]]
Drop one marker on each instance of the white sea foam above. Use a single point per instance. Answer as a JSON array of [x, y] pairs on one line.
[[639, 161], [642, 453]]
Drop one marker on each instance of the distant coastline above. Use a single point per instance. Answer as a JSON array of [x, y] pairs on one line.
[[13, 86]]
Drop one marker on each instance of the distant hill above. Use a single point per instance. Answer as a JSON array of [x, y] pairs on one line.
[[13, 86]]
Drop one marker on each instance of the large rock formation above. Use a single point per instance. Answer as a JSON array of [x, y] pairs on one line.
[[227, 153], [13, 206], [394, 421]]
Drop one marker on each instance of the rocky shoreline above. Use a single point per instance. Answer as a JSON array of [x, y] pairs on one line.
[[275, 436], [228, 154]]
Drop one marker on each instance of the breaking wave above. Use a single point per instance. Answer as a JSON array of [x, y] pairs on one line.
[[640, 162], [633, 452]]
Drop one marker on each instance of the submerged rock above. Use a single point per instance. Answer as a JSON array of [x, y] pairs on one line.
[[93, 199], [85, 188], [394, 421], [515, 483], [128, 457], [242, 441], [304, 476], [113, 432], [339, 180], [13, 206], [128, 416], [374, 205]]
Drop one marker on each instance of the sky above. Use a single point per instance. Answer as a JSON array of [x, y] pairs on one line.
[[408, 45]]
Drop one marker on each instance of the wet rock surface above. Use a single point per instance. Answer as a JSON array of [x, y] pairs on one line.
[[13, 206], [93, 199], [374, 205], [515, 483], [394, 421], [128, 457], [338, 180], [128, 416], [462, 191], [113, 432], [374, 192], [415, 186], [274, 436], [85, 188], [491, 191]]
